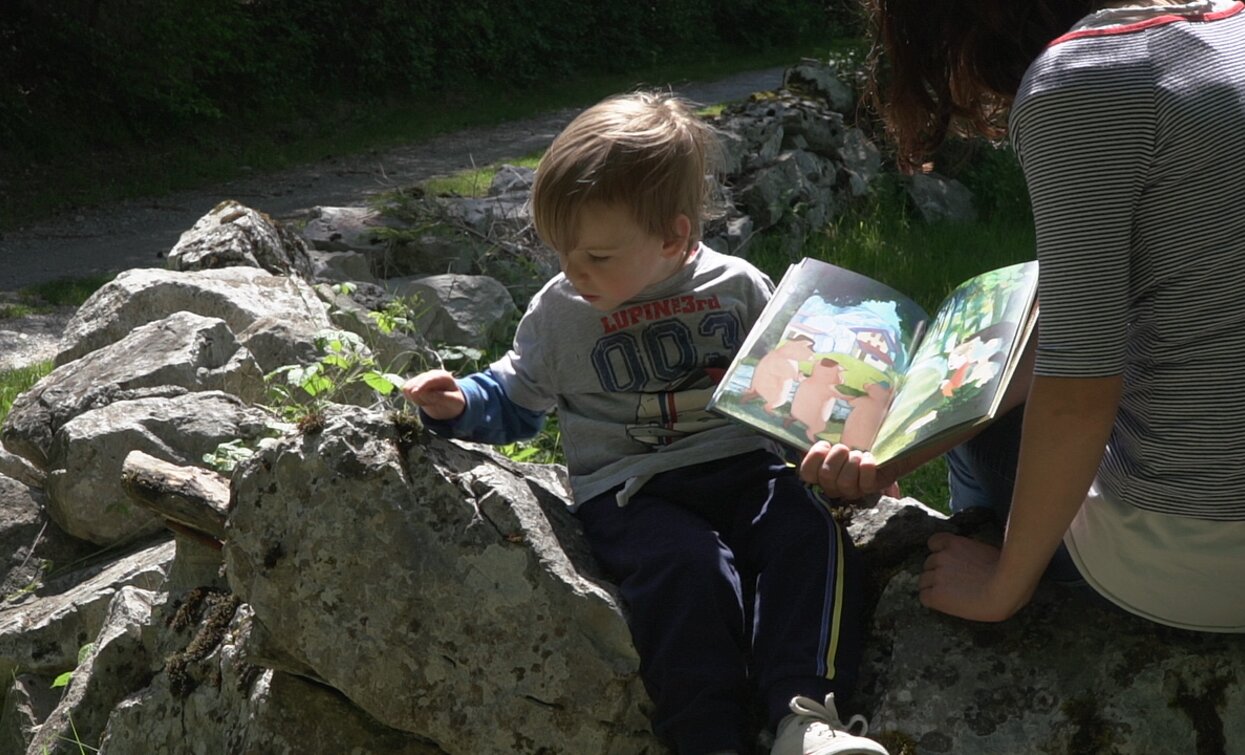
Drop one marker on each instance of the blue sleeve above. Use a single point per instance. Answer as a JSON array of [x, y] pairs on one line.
[[490, 416]]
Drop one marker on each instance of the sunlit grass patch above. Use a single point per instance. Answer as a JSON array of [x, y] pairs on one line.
[[14, 382], [475, 182]]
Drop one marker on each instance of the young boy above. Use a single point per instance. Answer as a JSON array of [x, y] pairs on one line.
[[736, 578]]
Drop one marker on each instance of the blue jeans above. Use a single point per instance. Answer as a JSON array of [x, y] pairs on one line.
[[982, 473]]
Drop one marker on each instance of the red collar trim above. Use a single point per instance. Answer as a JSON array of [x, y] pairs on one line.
[[1149, 22]]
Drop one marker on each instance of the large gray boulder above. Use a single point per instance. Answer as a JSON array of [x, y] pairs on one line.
[[443, 591], [938, 199], [816, 77], [85, 496], [237, 295], [233, 234], [1068, 673], [461, 310], [206, 697], [182, 353]]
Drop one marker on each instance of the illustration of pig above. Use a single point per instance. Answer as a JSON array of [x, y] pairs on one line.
[[866, 417], [814, 398], [778, 372]]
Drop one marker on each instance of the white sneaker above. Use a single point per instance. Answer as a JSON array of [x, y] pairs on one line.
[[815, 729]]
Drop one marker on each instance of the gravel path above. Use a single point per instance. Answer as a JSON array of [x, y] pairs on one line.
[[137, 233]]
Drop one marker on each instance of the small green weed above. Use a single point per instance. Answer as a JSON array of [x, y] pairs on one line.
[[64, 679], [308, 390], [228, 456]]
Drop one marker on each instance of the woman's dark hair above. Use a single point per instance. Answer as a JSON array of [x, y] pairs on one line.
[[942, 67]]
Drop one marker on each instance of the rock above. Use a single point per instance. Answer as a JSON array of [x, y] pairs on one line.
[[208, 698], [492, 216], [233, 234], [342, 266], [1066, 674], [511, 179], [26, 703], [820, 79], [30, 542], [460, 310], [179, 354], [821, 130], [861, 160], [17, 468], [348, 229], [772, 192], [941, 199], [440, 249], [116, 663], [85, 493], [276, 342], [41, 634], [237, 295], [476, 629]]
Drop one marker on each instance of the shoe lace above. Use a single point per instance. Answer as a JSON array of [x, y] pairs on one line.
[[827, 713]]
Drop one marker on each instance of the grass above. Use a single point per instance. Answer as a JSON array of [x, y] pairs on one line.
[[64, 292], [14, 382], [474, 183], [229, 150]]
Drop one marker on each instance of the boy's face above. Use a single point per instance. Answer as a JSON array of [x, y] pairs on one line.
[[614, 258]]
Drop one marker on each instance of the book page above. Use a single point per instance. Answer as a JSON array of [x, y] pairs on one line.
[[961, 366], [823, 359]]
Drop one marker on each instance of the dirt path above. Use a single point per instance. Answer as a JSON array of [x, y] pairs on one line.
[[137, 233]]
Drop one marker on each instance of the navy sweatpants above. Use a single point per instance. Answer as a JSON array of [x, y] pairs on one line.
[[737, 582]]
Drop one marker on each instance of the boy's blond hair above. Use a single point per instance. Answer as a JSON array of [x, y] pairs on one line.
[[647, 151]]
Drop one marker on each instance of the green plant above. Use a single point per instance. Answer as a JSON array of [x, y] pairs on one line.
[[545, 448], [226, 457], [63, 679], [303, 392]]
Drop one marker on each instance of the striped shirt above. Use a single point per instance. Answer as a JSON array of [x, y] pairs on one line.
[[1130, 137]]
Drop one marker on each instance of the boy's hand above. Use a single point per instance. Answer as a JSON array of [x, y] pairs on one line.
[[436, 393], [846, 473]]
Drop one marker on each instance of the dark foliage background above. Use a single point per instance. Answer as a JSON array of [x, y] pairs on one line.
[[82, 75]]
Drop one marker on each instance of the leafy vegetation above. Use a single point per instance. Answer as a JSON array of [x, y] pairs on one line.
[[180, 93], [303, 392]]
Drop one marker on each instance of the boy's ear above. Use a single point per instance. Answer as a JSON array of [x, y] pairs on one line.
[[676, 240]]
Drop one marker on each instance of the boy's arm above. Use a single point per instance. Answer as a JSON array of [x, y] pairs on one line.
[[473, 408]]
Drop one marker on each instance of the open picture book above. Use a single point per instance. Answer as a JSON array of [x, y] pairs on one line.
[[838, 356]]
